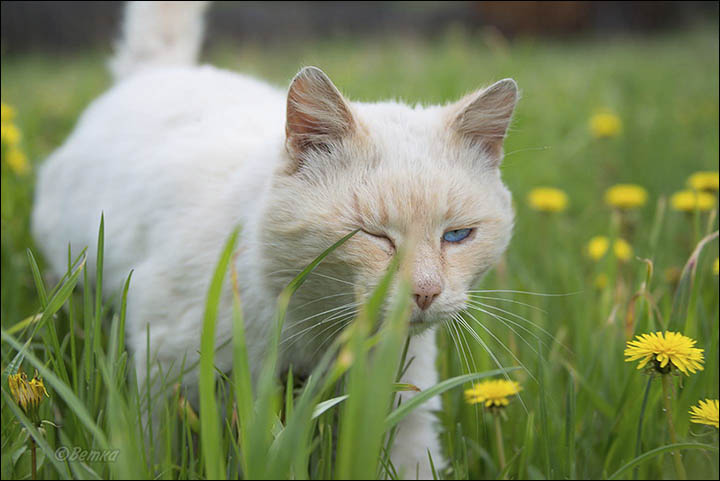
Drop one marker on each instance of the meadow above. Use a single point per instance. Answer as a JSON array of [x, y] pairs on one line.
[[555, 317]]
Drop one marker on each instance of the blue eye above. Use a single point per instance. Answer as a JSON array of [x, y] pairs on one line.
[[456, 235]]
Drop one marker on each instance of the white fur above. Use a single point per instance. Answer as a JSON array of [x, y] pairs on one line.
[[177, 156]]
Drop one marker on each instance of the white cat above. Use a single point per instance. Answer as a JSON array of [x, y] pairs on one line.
[[177, 155]]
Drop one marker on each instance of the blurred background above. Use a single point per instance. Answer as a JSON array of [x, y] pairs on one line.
[[67, 26]]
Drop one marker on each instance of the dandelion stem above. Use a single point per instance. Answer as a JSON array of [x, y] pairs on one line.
[[33, 458], [499, 437], [679, 468]]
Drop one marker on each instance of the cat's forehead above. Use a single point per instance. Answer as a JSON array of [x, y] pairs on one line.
[[414, 137], [392, 122], [394, 112]]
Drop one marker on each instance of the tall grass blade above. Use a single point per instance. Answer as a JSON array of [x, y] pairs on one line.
[[681, 302], [209, 420], [57, 300], [641, 417], [570, 427], [37, 278], [528, 446], [323, 407], [544, 419]]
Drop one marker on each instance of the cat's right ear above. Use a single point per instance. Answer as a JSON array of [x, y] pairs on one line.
[[318, 116]]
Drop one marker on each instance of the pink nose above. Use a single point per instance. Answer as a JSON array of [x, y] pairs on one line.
[[424, 296]]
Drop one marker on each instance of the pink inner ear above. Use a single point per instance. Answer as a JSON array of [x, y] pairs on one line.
[[317, 114], [485, 116]]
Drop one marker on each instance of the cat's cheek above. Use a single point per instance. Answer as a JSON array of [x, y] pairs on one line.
[[465, 267]]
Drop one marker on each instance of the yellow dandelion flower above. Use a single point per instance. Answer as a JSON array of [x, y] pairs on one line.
[[17, 161], [7, 113], [716, 266], [672, 350], [548, 199], [706, 412], [601, 281], [28, 394], [626, 196], [492, 393], [598, 246], [605, 125], [690, 200], [622, 250], [707, 181], [9, 134], [18, 388]]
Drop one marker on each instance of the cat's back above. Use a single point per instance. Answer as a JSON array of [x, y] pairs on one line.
[[160, 146], [168, 99]]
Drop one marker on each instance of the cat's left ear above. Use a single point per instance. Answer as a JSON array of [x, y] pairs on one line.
[[483, 117]]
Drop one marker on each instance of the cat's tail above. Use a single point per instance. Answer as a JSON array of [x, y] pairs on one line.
[[158, 33]]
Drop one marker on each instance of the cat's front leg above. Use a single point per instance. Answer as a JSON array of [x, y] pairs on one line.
[[418, 433]]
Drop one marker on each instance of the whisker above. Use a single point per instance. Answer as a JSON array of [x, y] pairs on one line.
[[344, 319], [334, 322], [334, 316], [320, 299], [479, 305], [335, 279], [477, 337], [333, 309], [449, 327], [505, 321], [475, 296], [313, 273], [462, 322], [461, 350], [544, 331], [296, 271], [482, 291], [528, 149], [505, 374], [343, 325], [469, 349], [475, 369]]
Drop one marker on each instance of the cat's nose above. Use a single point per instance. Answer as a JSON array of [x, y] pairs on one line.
[[425, 295], [427, 279]]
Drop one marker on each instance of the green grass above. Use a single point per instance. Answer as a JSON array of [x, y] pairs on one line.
[[581, 402]]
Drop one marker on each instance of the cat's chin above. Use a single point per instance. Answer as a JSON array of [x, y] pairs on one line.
[[421, 322]]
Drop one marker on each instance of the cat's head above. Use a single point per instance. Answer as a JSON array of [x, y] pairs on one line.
[[422, 176]]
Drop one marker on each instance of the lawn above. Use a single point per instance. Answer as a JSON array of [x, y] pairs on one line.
[[561, 316]]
